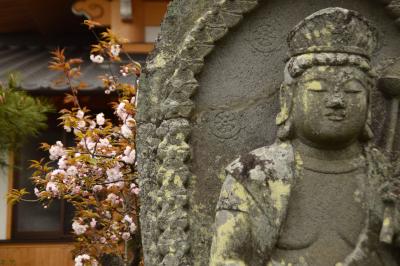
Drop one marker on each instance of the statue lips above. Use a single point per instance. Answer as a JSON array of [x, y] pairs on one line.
[[336, 115]]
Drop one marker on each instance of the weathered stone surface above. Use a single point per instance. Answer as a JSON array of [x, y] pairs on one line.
[[218, 66]]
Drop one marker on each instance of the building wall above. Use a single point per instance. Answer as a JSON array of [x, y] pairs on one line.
[[3, 201], [26, 254], [36, 254]]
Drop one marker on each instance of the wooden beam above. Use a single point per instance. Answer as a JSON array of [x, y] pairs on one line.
[[125, 10], [97, 10], [155, 11], [138, 48], [132, 30], [44, 254]]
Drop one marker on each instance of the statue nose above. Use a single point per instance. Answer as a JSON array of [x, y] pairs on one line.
[[336, 101]]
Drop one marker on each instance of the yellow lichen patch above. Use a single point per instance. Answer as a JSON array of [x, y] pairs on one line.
[[314, 85], [312, 47], [387, 222], [302, 260], [231, 262], [298, 162], [339, 264], [327, 30], [357, 195], [331, 70], [308, 36], [159, 61], [283, 115], [178, 148], [168, 194], [307, 56], [172, 249], [222, 175], [178, 181], [317, 33], [279, 190], [364, 64], [283, 145], [224, 193], [153, 99], [239, 192], [304, 102], [226, 233], [330, 26], [180, 136], [167, 176]]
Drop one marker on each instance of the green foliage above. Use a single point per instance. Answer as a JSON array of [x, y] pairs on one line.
[[21, 115], [16, 195]]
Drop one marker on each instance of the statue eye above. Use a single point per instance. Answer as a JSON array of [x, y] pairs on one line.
[[315, 85], [353, 86]]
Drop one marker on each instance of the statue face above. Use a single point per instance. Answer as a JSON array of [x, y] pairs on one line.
[[330, 106]]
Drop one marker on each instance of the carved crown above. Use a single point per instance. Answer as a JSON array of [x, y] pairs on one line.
[[333, 30]]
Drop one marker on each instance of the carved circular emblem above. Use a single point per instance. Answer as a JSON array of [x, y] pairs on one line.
[[263, 38], [225, 125]]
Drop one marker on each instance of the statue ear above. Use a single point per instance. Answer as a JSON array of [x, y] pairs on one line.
[[367, 133], [285, 130], [285, 100], [283, 119]]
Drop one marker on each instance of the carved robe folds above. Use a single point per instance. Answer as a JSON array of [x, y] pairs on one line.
[[253, 204]]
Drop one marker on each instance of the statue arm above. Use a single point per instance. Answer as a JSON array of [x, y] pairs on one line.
[[232, 238]]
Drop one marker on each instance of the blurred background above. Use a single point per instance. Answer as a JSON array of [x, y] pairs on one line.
[[29, 31]]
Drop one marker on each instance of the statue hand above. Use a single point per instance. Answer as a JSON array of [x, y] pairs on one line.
[[390, 190]]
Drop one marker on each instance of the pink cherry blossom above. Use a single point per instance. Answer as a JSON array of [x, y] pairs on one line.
[[114, 174], [93, 223], [72, 170], [97, 188], [80, 114], [98, 59], [79, 228], [126, 131], [52, 188], [100, 120], [98, 174], [56, 151], [126, 236], [115, 49]]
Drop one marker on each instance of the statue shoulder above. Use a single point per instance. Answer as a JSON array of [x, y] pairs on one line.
[[274, 162]]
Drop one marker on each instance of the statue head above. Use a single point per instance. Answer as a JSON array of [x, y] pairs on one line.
[[325, 96]]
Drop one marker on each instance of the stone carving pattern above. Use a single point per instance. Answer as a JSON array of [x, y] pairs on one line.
[[173, 151], [173, 244], [172, 178], [263, 38], [225, 125]]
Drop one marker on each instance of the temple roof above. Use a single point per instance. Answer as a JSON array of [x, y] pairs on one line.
[[30, 62]]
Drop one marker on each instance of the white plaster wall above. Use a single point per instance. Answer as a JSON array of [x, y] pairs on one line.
[[3, 201], [151, 33]]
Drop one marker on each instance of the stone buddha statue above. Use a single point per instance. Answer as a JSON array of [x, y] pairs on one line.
[[312, 198]]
